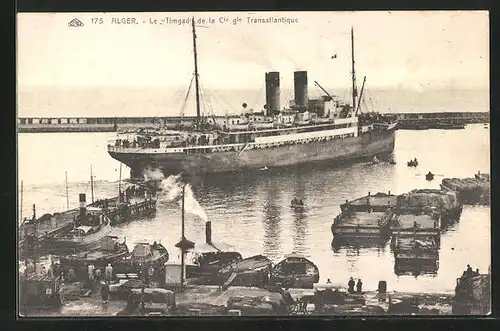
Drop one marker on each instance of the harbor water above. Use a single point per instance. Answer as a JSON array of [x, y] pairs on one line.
[[253, 214]]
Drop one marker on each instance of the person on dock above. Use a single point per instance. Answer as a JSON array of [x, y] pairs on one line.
[[104, 293], [50, 271], [98, 276], [359, 286], [90, 274], [350, 286], [151, 273], [108, 273]]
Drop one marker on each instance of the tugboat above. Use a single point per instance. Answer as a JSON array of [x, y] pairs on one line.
[[135, 202], [90, 226], [209, 257], [295, 271], [429, 176], [110, 251]]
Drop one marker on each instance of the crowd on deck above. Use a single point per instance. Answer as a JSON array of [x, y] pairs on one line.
[[140, 142]]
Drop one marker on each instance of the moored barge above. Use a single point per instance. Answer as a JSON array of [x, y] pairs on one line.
[[470, 190], [415, 252], [362, 224], [379, 202]]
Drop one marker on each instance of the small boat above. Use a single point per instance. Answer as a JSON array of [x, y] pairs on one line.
[[251, 271], [429, 176], [142, 256], [297, 204], [412, 163], [110, 251], [264, 168], [295, 271], [375, 160], [146, 253]]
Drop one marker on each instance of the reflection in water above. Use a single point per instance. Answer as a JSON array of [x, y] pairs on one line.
[[300, 216], [417, 268], [272, 219]]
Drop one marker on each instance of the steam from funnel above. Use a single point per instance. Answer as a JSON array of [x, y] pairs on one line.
[[172, 191], [152, 174]]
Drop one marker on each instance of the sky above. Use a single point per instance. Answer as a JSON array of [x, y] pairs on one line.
[[410, 50]]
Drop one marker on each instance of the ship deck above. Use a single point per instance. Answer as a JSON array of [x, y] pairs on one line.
[[406, 222], [406, 244], [362, 219], [375, 200]]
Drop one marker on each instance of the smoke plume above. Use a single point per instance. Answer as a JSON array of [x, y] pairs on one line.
[[152, 174], [172, 191]]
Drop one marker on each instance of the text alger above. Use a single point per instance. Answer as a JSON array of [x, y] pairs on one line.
[[123, 20]]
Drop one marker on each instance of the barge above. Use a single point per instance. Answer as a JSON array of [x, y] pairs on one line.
[[443, 202], [415, 255], [419, 225], [362, 224], [379, 202], [470, 190]]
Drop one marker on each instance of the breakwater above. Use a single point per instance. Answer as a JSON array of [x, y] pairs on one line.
[[113, 124]]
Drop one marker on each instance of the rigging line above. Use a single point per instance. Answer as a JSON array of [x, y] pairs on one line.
[[203, 97], [187, 96], [228, 104], [258, 95]]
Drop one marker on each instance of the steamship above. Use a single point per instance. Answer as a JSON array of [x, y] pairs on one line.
[[323, 129]]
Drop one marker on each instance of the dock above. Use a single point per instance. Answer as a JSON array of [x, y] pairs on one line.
[[470, 191], [414, 121], [211, 301]]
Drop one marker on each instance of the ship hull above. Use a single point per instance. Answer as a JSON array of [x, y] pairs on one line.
[[335, 151]]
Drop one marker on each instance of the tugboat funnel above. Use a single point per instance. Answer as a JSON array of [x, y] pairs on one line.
[[83, 204], [208, 232]]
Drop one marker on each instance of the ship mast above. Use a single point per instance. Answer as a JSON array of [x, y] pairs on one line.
[[92, 183], [353, 72], [197, 83]]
